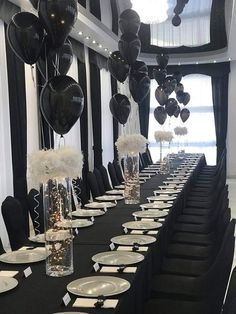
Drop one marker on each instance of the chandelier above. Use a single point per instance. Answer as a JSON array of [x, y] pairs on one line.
[[151, 11]]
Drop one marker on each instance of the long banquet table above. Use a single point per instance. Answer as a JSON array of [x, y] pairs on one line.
[[40, 294]]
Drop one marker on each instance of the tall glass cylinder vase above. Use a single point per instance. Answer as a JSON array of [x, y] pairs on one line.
[[58, 227], [160, 151], [132, 185]]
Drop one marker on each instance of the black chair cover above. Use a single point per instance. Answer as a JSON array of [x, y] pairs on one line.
[[105, 178], [112, 173], [99, 181], [118, 171], [93, 185]]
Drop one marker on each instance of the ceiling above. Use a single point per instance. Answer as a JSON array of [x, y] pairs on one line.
[[100, 38]]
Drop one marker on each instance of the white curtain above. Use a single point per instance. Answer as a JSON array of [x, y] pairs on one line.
[[107, 119], [194, 29], [133, 125], [201, 137], [6, 177]]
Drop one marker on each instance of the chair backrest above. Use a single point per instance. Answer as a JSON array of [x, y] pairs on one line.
[[93, 185], [141, 163], [146, 159], [229, 306], [149, 156], [80, 191], [105, 178], [112, 173], [35, 201], [118, 171], [13, 217], [99, 181]]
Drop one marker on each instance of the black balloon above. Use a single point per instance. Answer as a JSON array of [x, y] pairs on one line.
[[176, 21], [171, 106], [25, 35], [139, 86], [161, 96], [186, 99], [179, 88], [160, 115], [129, 21], [177, 111], [178, 76], [159, 74], [58, 18], [184, 114], [180, 97], [118, 67], [162, 60], [120, 108], [61, 103], [169, 84], [49, 56], [129, 47], [139, 67]]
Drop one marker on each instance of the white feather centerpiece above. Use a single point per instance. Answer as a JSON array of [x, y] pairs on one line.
[[65, 162], [129, 147], [163, 136], [181, 131]]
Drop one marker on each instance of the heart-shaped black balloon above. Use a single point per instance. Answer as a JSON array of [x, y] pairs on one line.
[[61, 103], [120, 108], [178, 76], [58, 18], [171, 106], [180, 97], [161, 95], [160, 115], [159, 74], [162, 60], [139, 67], [25, 35], [48, 58], [186, 99], [129, 47], [184, 114], [176, 20], [179, 88], [118, 67], [129, 21], [177, 111], [169, 84], [139, 86]]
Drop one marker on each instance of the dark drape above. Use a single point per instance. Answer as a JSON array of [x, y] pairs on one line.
[[220, 105], [18, 124], [144, 110], [95, 8], [82, 2], [115, 17], [115, 122], [7, 10], [95, 88]]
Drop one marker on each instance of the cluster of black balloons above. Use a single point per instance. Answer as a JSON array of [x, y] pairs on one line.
[[123, 63], [43, 40], [168, 85], [176, 20]]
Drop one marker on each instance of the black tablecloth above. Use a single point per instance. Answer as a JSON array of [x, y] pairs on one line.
[[40, 294]]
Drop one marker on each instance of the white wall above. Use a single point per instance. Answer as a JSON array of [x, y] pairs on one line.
[[231, 137]]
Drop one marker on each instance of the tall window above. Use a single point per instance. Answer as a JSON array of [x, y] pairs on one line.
[[201, 136]]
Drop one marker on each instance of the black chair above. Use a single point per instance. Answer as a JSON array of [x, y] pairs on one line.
[[229, 306], [13, 217], [101, 187], [118, 171], [1, 247], [114, 180], [105, 178], [35, 201], [93, 185]]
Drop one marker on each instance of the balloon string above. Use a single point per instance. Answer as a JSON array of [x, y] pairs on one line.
[[37, 224], [50, 136], [42, 131], [76, 190], [46, 63], [32, 75]]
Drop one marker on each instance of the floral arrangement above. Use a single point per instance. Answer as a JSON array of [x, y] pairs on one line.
[[131, 144], [181, 131], [163, 136], [48, 164]]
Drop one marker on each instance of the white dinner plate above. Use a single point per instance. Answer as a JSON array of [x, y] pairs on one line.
[[95, 286], [120, 187], [23, 257], [156, 205], [151, 213], [110, 198], [149, 171], [88, 213], [142, 225], [70, 313], [161, 198], [167, 191], [171, 186], [7, 283], [130, 239], [39, 238], [117, 258], [174, 182], [100, 205], [115, 192], [77, 223]]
